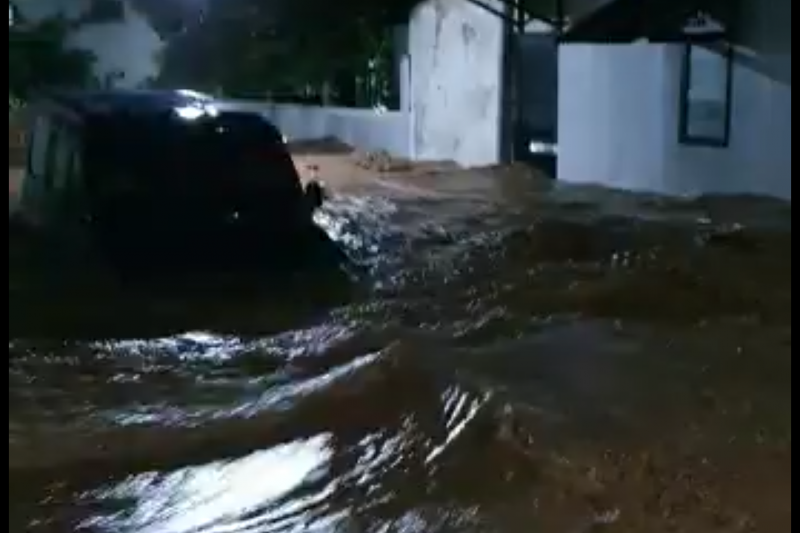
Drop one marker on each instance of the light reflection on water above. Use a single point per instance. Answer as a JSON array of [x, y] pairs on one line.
[[218, 497], [540, 359]]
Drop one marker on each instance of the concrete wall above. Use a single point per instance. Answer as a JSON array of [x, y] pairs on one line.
[[619, 113], [456, 51], [130, 46], [364, 129]]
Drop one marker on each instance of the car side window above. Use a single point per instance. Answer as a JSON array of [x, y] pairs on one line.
[[76, 162], [65, 150], [40, 142], [51, 154]]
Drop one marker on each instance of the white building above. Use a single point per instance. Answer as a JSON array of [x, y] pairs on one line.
[[127, 48], [683, 119], [625, 115]]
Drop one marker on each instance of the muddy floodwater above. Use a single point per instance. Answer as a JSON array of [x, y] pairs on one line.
[[504, 355]]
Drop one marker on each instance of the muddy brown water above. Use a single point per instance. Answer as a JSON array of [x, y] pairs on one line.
[[510, 356]]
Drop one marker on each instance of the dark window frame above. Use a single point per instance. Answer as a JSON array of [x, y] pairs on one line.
[[685, 137]]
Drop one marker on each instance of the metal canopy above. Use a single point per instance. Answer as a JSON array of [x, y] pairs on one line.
[[625, 21], [520, 12]]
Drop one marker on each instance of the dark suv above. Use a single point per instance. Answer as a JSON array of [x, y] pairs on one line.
[[165, 175]]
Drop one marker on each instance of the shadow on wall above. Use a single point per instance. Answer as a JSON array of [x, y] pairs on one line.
[[776, 68], [324, 146]]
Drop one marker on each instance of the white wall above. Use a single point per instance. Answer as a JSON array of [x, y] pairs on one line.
[[611, 128], [618, 125], [759, 159], [130, 46], [619, 113], [364, 129], [456, 51]]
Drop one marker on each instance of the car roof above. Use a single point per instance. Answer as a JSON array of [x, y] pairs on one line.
[[122, 117], [128, 102], [132, 104], [150, 108]]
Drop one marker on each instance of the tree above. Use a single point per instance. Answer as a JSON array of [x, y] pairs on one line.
[[255, 47], [38, 56]]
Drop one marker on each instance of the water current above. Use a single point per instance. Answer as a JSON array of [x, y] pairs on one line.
[[508, 356]]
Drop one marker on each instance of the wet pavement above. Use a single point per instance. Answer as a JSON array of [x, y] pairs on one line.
[[510, 355]]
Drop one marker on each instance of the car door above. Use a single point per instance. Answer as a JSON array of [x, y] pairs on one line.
[[53, 186]]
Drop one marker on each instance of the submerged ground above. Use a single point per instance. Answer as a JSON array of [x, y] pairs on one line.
[[513, 356]]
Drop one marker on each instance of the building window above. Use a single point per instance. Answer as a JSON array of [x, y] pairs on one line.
[[706, 91]]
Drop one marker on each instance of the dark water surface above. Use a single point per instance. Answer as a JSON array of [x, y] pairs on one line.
[[512, 358]]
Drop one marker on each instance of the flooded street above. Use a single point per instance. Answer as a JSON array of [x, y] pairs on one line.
[[509, 356]]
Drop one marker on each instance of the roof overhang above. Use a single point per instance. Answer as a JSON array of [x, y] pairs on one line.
[[625, 21]]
